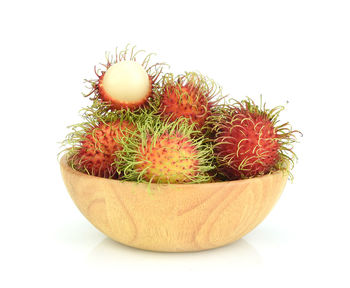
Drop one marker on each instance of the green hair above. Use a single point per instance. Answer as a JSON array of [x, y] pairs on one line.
[[152, 128]]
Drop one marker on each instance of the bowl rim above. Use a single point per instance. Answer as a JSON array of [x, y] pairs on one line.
[[64, 165]]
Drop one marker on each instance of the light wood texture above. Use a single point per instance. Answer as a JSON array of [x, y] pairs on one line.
[[173, 217]]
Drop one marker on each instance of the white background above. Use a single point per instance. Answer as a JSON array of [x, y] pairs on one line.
[[288, 51]]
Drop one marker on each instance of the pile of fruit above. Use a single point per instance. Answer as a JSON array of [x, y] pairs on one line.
[[145, 125]]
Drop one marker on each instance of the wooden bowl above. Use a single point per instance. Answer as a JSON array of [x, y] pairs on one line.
[[173, 217]]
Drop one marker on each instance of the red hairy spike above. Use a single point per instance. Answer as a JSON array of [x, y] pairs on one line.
[[186, 101], [248, 142], [96, 153], [190, 96]]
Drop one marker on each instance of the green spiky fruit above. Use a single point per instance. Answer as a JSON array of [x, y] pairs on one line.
[[190, 95], [249, 141], [163, 152], [124, 83]]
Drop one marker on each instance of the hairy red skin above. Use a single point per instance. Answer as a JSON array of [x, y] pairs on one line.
[[115, 104], [96, 154], [169, 160], [247, 145], [186, 101]]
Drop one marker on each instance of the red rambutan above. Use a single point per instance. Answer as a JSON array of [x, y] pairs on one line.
[[95, 154], [190, 96], [249, 142]]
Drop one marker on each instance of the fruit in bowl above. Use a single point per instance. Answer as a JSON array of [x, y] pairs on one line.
[[179, 168]]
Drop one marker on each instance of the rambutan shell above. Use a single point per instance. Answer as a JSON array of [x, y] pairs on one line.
[[168, 160], [185, 101], [247, 145], [96, 154]]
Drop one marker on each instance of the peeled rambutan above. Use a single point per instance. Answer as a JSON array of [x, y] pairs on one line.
[[163, 152], [94, 154], [125, 83], [190, 95], [249, 142]]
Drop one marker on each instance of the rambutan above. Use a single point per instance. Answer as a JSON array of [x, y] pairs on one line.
[[93, 144], [249, 142], [163, 152], [190, 95], [123, 82], [96, 154]]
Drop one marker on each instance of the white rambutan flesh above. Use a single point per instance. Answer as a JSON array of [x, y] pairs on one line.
[[126, 83]]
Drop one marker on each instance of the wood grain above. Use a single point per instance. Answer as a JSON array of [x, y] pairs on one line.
[[173, 217]]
